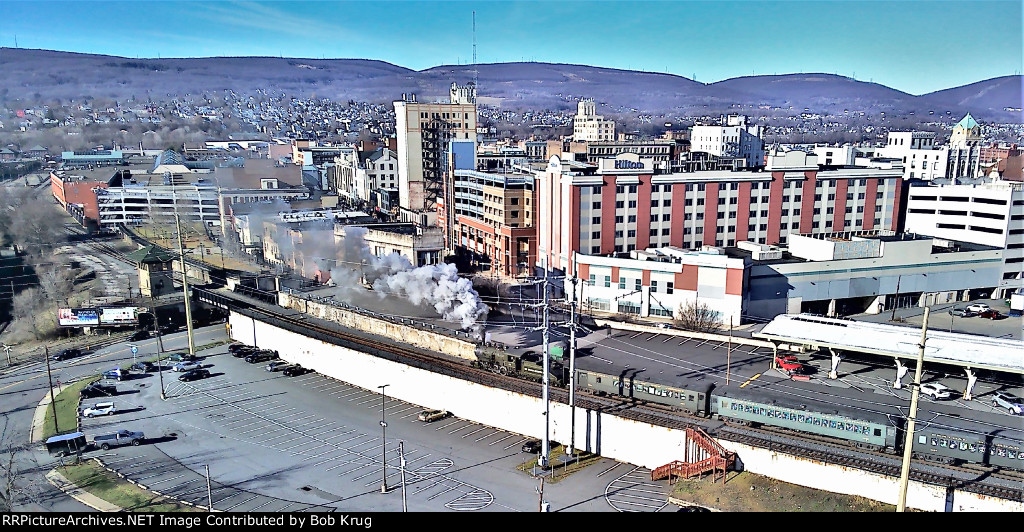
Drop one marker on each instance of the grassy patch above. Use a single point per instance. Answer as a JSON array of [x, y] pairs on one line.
[[560, 470], [747, 492], [66, 404], [93, 478]]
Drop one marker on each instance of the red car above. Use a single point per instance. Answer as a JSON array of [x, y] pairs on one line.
[[991, 314], [789, 363]]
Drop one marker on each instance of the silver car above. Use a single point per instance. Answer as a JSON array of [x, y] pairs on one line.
[[1013, 404]]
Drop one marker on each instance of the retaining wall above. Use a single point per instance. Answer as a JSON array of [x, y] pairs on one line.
[[626, 440]]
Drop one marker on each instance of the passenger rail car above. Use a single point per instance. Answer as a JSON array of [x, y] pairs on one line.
[[970, 441], [861, 428], [693, 401]]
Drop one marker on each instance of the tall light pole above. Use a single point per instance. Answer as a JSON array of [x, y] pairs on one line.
[[383, 443], [401, 458], [908, 442], [546, 443], [53, 402], [184, 283]]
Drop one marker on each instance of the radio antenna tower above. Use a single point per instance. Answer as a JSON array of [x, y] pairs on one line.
[[475, 84]]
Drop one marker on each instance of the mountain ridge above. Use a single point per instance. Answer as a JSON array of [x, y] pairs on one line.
[[51, 74]]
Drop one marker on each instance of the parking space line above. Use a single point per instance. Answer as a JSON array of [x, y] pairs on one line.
[[402, 408], [436, 481], [482, 427], [250, 422], [514, 444], [262, 505], [487, 436], [175, 488], [233, 506], [352, 392], [364, 475], [157, 474], [468, 425], [255, 429], [165, 480], [453, 421], [291, 440], [501, 440], [345, 464], [609, 470], [370, 400]]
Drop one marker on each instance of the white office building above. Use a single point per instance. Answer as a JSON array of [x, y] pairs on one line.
[[733, 139], [589, 126], [988, 213]]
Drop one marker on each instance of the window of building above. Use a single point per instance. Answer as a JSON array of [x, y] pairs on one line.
[[829, 210], [595, 205], [631, 233], [655, 203], [618, 234], [595, 220], [595, 235], [700, 201], [664, 231], [721, 215], [721, 201], [632, 204], [620, 204], [654, 232], [619, 189], [618, 219], [632, 189], [631, 219], [700, 216], [595, 250], [666, 203], [733, 201], [669, 287]]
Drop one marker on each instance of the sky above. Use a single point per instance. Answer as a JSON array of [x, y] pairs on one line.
[[916, 46]]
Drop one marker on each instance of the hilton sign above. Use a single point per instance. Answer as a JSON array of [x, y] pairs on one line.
[[628, 165]]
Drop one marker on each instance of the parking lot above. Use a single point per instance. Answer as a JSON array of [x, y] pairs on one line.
[[308, 442]]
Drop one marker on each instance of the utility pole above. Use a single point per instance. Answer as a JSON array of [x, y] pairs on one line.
[[383, 443], [571, 448], [184, 283], [53, 402], [160, 348], [897, 302], [209, 490], [401, 462], [546, 445], [728, 354], [908, 443]]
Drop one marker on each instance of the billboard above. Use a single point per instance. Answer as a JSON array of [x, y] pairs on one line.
[[78, 317], [119, 316]]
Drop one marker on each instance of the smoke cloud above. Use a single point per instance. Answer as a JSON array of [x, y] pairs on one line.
[[439, 286]]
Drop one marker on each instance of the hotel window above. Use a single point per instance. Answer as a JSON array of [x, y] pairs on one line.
[[664, 231], [655, 203], [619, 189], [733, 201], [632, 204], [721, 201], [595, 235], [595, 220], [631, 233], [632, 189], [632, 218], [595, 250], [654, 286], [755, 186], [666, 217], [669, 287], [666, 203], [622, 283], [654, 217], [618, 219], [595, 205], [620, 204], [700, 201], [637, 285], [688, 202], [654, 232], [618, 234]]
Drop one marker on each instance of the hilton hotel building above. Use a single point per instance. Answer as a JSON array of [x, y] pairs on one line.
[[625, 203]]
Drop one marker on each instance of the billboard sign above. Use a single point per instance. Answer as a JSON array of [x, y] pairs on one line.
[[78, 317], [119, 316]]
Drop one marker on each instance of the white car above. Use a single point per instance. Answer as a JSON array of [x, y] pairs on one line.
[[978, 307], [185, 366], [99, 409], [1013, 404], [936, 390]]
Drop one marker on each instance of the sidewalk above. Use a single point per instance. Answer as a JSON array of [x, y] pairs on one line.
[[39, 417]]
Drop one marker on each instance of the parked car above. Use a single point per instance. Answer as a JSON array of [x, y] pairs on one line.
[[789, 364], [960, 312], [244, 351], [664, 326], [98, 390], [533, 446], [117, 439], [67, 354], [238, 346], [276, 365], [991, 314], [295, 371], [1013, 404], [116, 374], [144, 367], [429, 416], [194, 374], [263, 355], [186, 366], [181, 357], [978, 307], [936, 390], [141, 334], [1015, 313], [99, 409]]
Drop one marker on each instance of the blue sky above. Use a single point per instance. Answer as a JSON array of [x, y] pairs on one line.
[[916, 46]]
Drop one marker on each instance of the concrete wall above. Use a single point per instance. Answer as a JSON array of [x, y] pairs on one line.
[[411, 335], [629, 441]]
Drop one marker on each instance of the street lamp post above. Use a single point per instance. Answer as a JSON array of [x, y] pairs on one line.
[[383, 443]]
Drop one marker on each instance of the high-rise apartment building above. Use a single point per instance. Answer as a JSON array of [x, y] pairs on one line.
[[424, 131]]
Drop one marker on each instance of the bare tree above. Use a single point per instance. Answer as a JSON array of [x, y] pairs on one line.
[[697, 316], [8, 469], [25, 310], [56, 282]]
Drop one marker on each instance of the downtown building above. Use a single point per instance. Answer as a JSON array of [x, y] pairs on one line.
[[621, 218], [424, 132]]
